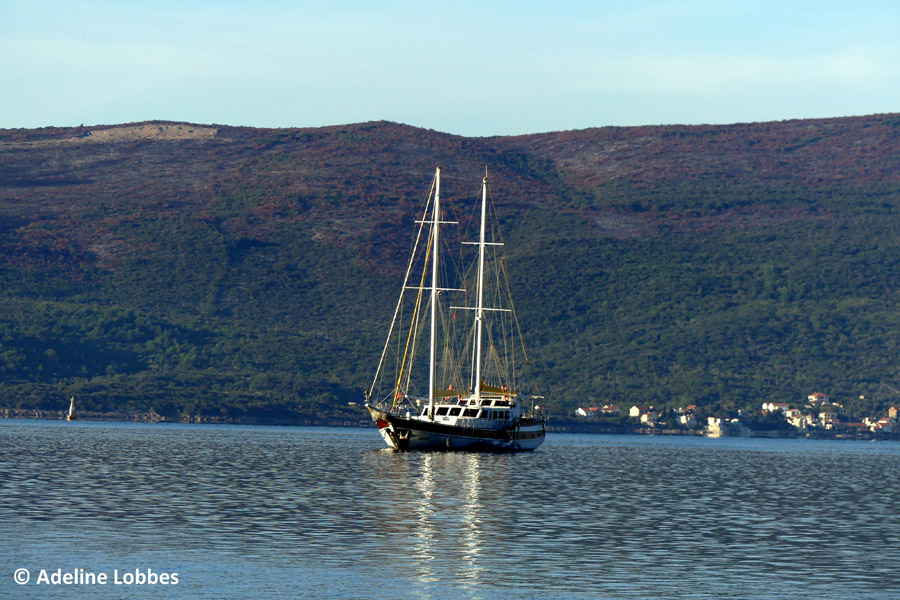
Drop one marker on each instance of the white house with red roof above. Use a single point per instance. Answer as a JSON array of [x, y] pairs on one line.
[[818, 398]]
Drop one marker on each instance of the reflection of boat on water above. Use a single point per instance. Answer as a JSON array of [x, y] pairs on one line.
[[478, 407], [71, 416], [445, 510]]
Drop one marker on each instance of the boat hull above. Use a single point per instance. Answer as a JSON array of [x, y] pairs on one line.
[[401, 433]]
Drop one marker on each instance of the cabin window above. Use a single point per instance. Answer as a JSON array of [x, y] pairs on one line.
[[471, 412], [424, 411], [454, 412], [442, 410]]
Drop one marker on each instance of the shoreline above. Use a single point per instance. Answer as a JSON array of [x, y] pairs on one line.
[[154, 417], [559, 426]]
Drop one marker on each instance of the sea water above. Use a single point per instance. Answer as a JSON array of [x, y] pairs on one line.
[[283, 512]]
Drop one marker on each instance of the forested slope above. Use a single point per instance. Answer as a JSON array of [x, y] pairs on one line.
[[236, 271]]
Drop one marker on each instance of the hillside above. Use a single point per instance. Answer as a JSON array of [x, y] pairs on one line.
[[235, 271]]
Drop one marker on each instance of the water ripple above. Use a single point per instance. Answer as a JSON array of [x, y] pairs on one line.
[[243, 510]]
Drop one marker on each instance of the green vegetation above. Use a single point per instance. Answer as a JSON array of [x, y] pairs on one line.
[[251, 275], [731, 317]]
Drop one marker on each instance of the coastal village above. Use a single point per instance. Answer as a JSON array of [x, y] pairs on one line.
[[819, 417]]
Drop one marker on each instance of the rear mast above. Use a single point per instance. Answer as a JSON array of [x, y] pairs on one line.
[[436, 217]]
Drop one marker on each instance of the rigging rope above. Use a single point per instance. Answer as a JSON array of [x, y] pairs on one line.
[[405, 280], [414, 323]]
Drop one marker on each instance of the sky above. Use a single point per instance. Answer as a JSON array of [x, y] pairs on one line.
[[473, 68]]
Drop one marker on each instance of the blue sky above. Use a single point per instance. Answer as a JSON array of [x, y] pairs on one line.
[[464, 67]]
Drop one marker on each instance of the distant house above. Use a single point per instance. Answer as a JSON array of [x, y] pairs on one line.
[[828, 419], [684, 417], [892, 412], [818, 399], [590, 413], [715, 427], [646, 414], [687, 420], [610, 409], [801, 421], [774, 407], [650, 417]]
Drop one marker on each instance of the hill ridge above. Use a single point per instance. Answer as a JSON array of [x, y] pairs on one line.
[[210, 268]]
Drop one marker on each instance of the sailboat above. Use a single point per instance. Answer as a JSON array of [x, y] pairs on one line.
[[465, 396], [71, 414]]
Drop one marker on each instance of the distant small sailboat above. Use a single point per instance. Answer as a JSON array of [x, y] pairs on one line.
[[71, 416]]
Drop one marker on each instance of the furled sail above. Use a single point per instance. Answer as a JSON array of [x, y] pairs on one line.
[[491, 389]]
